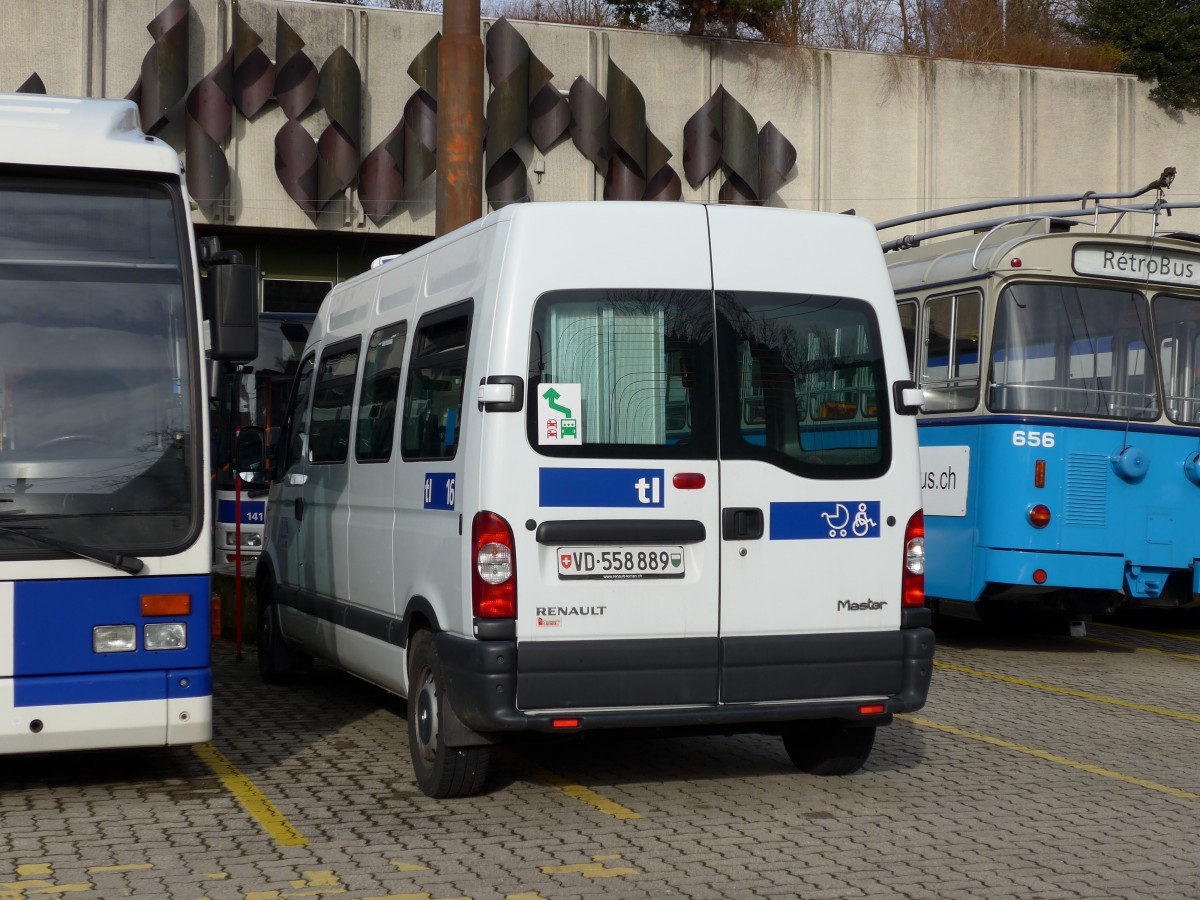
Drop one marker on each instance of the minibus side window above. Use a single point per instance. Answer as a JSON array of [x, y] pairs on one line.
[[332, 401], [294, 446], [380, 392], [622, 374], [433, 397]]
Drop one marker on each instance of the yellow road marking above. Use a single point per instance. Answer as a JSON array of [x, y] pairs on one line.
[[1139, 649], [571, 789], [594, 869], [255, 802], [1051, 757], [1161, 634], [1070, 692], [34, 869], [133, 867]]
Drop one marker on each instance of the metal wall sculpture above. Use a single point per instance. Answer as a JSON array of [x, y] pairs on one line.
[[613, 135], [523, 102], [253, 72], [339, 89], [206, 129], [32, 85], [408, 155], [296, 158], [163, 81], [723, 133]]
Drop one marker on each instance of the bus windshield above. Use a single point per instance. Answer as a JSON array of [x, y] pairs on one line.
[[1074, 350], [98, 417]]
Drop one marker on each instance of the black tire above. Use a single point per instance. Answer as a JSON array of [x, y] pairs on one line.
[[441, 771], [277, 662], [830, 748]]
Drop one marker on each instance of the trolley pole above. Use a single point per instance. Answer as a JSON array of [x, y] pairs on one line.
[[460, 117]]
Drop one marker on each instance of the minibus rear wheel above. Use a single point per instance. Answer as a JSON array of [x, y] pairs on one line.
[[441, 771], [829, 748]]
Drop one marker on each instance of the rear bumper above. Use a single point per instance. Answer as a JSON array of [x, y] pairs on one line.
[[483, 682]]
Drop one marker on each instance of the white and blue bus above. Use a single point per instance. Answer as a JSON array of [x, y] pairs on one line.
[[1060, 430], [104, 506]]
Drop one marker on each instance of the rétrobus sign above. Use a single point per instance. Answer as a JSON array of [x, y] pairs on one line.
[[1162, 266]]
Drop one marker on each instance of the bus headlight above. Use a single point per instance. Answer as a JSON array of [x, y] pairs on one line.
[[165, 636], [114, 638]]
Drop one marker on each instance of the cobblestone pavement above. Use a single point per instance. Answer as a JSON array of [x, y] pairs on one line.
[[1042, 767]]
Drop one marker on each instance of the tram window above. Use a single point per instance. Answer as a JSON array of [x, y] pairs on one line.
[[908, 325], [1177, 329], [1063, 348], [950, 372]]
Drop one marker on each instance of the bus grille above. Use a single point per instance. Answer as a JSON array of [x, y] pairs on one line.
[[1087, 489]]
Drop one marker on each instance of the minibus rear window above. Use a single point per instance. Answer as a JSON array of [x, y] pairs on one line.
[[802, 383], [622, 373]]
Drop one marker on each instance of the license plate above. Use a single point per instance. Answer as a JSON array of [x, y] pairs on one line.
[[618, 563]]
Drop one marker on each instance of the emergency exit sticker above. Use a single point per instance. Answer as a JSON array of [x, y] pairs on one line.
[[560, 409]]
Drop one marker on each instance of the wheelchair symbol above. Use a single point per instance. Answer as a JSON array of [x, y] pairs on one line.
[[838, 520]]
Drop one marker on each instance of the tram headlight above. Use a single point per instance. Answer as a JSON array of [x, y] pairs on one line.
[[1039, 515], [165, 636], [114, 639]]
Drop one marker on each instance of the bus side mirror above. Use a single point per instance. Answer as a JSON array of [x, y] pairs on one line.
[[907, 398], [232, 309]]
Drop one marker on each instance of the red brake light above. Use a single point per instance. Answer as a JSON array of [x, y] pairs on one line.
[[912, 584], [494, 568], [1039, 516], [688, 481]]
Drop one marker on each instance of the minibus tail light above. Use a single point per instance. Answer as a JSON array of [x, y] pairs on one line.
[[494, 574], [913, 581]]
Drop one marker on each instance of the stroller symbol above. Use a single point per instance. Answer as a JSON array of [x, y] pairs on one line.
[[842, 515]]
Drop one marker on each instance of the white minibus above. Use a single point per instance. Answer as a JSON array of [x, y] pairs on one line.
[[586, 466]]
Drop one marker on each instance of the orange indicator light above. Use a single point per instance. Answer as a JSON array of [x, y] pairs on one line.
[[166, 604], [1039, 473]]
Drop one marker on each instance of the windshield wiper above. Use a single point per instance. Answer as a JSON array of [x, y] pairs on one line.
[[130, 564]]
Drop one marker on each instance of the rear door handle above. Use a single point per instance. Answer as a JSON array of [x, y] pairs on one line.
[[741, 523], [299, 508]]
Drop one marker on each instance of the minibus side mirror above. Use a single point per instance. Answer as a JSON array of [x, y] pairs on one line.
[[907, 398]]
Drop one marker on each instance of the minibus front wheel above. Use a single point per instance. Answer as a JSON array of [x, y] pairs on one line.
[[441, 771], [277, 662]]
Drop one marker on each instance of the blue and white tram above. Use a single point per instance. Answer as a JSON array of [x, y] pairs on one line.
[[1060, 431]]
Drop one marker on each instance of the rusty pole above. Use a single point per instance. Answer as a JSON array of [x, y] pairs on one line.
[[460, 117]]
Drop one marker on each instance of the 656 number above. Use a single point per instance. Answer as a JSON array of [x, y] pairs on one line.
[[1033, 438]]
